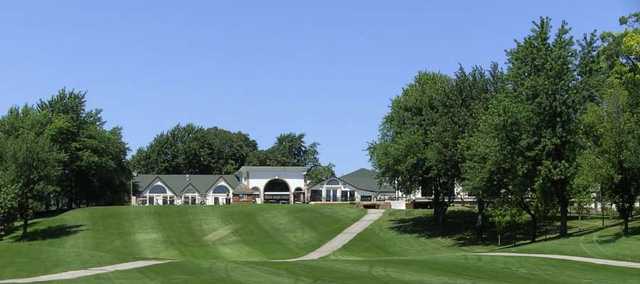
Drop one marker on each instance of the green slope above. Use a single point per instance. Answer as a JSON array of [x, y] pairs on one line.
[[233, 245], [106, 235]]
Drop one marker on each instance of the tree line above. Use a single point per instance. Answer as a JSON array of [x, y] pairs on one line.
[[58, 155], [192, 149], [558, 124]]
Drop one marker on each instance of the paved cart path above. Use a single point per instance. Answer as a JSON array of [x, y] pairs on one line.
[[619, 263], [86, 272], [343, 238]]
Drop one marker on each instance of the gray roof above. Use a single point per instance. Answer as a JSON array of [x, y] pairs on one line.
[[365, 179], [179, 183], [269, 168], [362, 179]]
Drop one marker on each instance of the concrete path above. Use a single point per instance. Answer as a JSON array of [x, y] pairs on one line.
[[619, 263], [343, 238], [86, 272]]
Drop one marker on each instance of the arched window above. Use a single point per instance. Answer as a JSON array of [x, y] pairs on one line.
[[158, 189], [333, 182], [255, 190], [220, 189], [276, 185]]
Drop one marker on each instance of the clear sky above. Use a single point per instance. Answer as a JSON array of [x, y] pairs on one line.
[[325, 68]]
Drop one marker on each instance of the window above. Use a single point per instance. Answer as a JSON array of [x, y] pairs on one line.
[[333, 182], [158, 189], [348, 195], [331, 195], [152, 200], [220, 189], [316, 195]]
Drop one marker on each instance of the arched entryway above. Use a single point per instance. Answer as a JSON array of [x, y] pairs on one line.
[[298, 195], [277, 191]]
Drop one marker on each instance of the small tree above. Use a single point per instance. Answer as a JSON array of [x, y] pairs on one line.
[[320, 173], [505, 217], [28, 161]]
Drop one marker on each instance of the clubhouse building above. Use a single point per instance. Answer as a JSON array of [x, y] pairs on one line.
[[284, 185]]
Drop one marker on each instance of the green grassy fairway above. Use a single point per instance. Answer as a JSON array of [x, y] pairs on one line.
[[234, 244], [101, 236], [411, 236]]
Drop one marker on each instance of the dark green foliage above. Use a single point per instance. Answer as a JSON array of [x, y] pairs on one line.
[[418, 145], [611, 130], [94, 170], [192, 149], [290, 149], [319, 173], [29, 165]]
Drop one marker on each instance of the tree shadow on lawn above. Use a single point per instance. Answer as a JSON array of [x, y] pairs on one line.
[[48, 233], [460, 228]]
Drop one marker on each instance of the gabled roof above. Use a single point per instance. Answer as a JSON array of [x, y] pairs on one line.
[[269, 168], [365, 179], [180, 183], [361, 179]]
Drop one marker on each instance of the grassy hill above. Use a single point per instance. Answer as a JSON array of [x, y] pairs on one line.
[[106, 235], [234, 244]]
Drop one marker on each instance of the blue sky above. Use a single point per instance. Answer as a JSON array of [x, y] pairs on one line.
[[327, 68]]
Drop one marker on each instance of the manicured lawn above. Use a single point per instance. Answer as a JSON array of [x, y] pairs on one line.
[[234, 244], [106, 235], [591, 240], [438, 269]]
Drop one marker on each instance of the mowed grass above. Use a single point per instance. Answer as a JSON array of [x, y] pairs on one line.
[[401, 247], [100, 236]]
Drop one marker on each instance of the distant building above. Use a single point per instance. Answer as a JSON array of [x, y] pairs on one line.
[[360, 185], [259, 185]]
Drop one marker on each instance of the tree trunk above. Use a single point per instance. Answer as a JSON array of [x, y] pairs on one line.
[[534, 228], [25, 224], [564, 213], [480, 221], [626, 225]]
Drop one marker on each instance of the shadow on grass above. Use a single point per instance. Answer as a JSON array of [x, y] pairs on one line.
[[48, 233], [460, 228]]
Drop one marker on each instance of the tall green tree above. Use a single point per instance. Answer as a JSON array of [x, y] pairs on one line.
[[612, 122], [500, 166], [29, 162], [94, 170], [542, 70], [192, 149], [419, 142]]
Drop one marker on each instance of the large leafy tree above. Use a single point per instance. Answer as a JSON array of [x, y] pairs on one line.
[[418, 144], [29, 163], [612, 122], [500, 165], [542, 70], [192, 149], [94, 170]]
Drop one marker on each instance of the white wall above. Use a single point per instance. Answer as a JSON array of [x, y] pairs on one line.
[[260, 177]]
